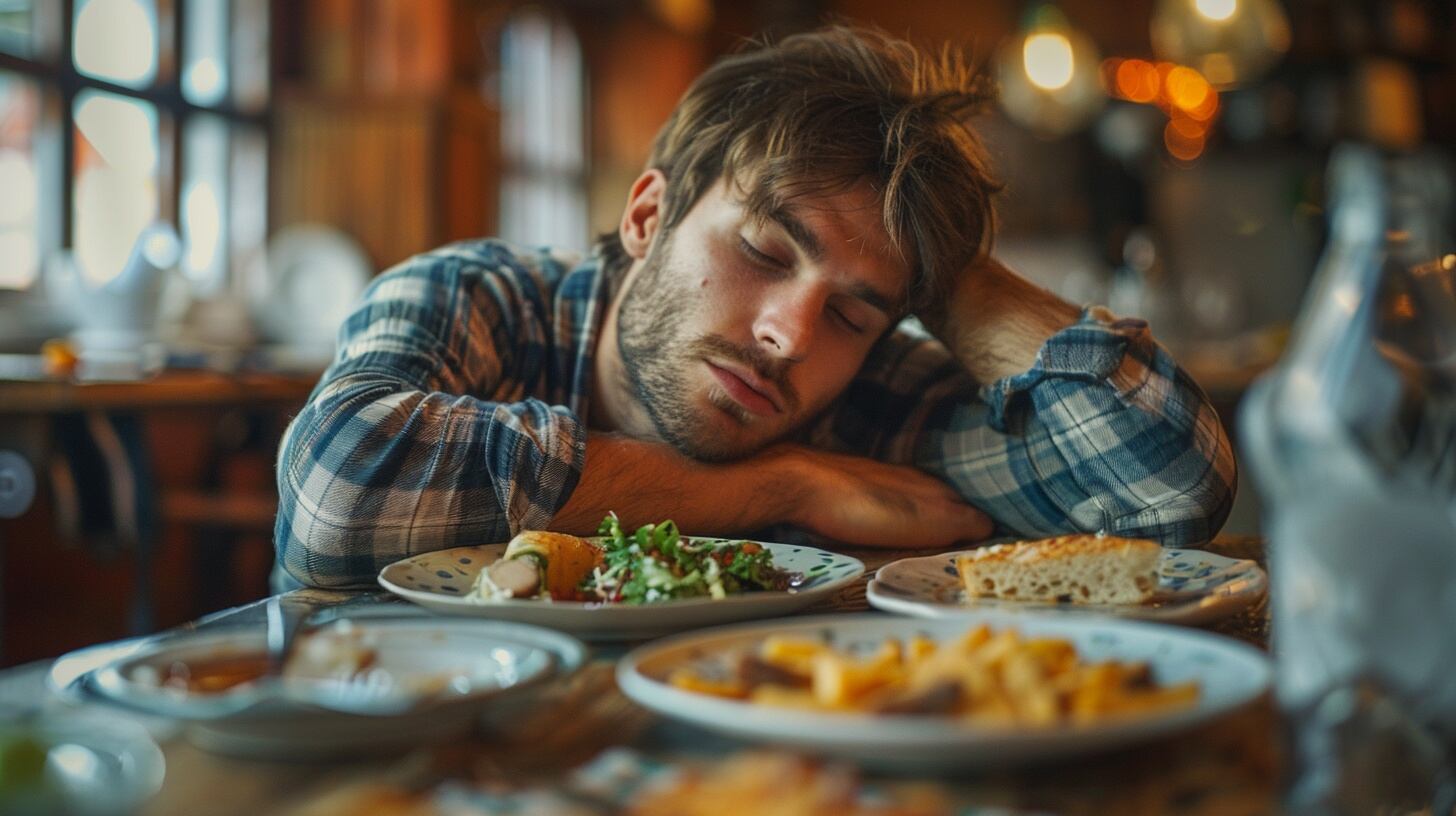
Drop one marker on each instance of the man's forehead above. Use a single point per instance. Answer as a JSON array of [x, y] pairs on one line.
[[818, 218]]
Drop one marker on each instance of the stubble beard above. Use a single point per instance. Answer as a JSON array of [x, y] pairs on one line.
[[652, 339]]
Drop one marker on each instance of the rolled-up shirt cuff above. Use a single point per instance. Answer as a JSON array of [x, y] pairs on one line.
[[1099, 347]]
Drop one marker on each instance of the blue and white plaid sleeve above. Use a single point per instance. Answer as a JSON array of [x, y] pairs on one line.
[[389, 458], [1103, 433]]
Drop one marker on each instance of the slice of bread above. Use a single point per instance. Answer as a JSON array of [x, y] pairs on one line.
[[1075, 568]]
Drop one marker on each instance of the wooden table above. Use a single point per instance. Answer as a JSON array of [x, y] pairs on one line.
[[1230, 766]]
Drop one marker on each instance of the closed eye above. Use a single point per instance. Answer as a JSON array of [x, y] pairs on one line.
[[757, 256], [846, 322]]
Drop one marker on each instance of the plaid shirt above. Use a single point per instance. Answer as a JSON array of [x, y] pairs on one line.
[[454, 412]]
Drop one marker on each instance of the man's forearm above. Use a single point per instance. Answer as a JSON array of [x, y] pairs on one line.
[[840, 497], [649, 481], [996, 321]]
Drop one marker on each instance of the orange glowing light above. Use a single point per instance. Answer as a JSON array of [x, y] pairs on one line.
[[1205, 111], [1137, 81], [1180, 145], [1187, 88], [1188, 128]]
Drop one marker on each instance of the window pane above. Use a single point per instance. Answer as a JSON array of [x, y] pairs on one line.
[[543, 199], [116, 180], [247, 223], [20, 172], [16, 21], [116, 40], [250, 54], [204, 56], [204, 189]]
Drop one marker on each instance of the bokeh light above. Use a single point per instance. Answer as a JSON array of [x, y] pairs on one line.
[[1189, 100], [1137, 81], [1048, 58], [1217, 10]]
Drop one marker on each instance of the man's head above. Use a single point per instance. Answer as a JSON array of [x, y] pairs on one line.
[[802, 198]]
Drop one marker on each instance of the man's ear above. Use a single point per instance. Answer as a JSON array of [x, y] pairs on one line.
[[642, 216]]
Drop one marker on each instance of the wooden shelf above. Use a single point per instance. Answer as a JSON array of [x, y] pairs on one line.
[[179, 389]]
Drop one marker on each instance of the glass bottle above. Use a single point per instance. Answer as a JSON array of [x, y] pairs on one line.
[[1352, 443]]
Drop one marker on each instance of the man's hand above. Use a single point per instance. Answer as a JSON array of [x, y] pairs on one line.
[[861, 501]]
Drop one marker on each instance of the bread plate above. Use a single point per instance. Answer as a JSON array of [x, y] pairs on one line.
[[1229, 674], [1194, 587], [441, 581]]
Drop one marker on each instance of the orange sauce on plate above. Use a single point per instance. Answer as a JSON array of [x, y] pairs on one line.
[[215, 675]]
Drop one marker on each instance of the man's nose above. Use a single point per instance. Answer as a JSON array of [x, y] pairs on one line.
[[786, 322]]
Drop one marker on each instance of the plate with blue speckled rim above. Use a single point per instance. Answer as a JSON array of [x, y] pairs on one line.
[[1194, 587], [441, 581]]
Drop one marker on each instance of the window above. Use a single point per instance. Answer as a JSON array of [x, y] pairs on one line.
[[117, 114], [543, 100], [20, 244]]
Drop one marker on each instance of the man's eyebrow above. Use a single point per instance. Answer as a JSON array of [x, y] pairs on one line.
[[802, 235], [874, 297]]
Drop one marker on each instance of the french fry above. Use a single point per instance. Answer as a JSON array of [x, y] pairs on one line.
[[795, 654], [918, 648], [972, 641], [840, 681], [889, 654], [689, 680], [784, 697]]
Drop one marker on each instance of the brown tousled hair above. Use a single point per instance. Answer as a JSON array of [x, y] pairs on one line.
[[818, 113]]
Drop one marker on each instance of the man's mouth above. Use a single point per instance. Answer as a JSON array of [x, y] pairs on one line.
[[754, 393]]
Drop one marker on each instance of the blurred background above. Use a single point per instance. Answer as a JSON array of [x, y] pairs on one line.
[[194, 192]]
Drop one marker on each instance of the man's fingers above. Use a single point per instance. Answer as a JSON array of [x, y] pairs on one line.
[[959, 521], [975, 525]]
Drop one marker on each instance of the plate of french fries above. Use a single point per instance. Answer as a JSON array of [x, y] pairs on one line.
[[945, 695]]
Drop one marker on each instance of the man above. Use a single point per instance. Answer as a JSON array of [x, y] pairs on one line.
[[734, 356]]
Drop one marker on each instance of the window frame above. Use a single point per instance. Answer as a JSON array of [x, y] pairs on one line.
[[52, 68]]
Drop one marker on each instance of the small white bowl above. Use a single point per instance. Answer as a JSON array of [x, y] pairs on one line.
[[425, 679]]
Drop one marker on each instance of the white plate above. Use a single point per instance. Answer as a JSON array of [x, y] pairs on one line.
[[1193, 587], [1230, 675], [429, 678], [440, 581]]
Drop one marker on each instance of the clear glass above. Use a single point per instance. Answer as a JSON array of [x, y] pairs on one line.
[[205, 69], [116, 178], [1353, 445], [20, 176], [116, 40]]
